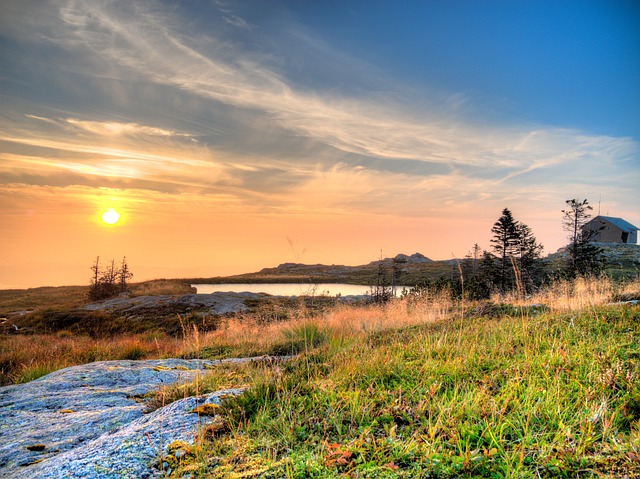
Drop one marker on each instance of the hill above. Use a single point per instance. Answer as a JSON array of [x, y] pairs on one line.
[[413, 270], [622, 261]]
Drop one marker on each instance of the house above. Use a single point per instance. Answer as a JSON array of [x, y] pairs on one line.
[[606, 229]]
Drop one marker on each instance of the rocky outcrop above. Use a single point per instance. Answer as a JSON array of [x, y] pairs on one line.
[[89, 421], [213, 304]]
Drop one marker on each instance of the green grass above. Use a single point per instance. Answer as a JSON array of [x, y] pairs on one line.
[[35, 372], [517, 396]]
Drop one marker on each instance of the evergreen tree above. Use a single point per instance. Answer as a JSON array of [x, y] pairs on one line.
[[529, 252], [504, 244], [516, 255]]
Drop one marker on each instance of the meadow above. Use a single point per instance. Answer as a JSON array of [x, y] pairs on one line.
[[425, 386]]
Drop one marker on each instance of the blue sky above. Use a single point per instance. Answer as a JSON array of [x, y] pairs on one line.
[[343, 127]]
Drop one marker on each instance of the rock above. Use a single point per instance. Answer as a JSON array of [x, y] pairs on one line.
[[631, 302], [214, 303], [415, 258], [89, 422]]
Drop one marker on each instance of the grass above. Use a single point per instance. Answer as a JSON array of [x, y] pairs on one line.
[[45, 297], [421, 387], [547, 396], [24, 358]]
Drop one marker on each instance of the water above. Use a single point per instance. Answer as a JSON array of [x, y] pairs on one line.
[[286, 289]]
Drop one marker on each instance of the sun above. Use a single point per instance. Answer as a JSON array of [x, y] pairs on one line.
[[110, 216]]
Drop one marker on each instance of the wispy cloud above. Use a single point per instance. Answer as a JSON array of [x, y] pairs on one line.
[[374, 149], [116, 128], [236, 21], [376, 126]]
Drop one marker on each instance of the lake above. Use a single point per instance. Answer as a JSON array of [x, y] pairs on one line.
[[286, 289]]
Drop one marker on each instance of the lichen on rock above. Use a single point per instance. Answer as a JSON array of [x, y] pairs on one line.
[[92, 424]]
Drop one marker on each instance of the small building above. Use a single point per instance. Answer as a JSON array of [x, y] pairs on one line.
[[606, 229]]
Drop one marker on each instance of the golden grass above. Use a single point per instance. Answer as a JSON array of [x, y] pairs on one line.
[[44, 297], [251, 335], [159, 287], [248, 335], [20, 355], [570, 295]]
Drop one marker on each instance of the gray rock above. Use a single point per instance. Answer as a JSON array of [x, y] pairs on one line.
[[89, 422], [214, 303]]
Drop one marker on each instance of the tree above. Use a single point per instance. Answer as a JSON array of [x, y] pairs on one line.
[[517, 252], [471, 261], [584, 257], [382, 292], [504, 244], [95, 280], [529, 252], [124, 275], [108, 282]]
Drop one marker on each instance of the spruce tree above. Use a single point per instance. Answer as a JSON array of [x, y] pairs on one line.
[[504, 244], [529, 252]]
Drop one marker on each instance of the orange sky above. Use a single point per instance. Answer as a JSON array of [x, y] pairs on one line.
[[54, 234], [235, 137]]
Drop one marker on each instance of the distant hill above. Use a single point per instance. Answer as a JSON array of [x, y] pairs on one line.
[[623, 260], [414, 269]]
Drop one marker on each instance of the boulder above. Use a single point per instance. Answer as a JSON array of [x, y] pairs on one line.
[[89, 421]]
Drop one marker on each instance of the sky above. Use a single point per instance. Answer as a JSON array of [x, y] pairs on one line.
[[236, 135]]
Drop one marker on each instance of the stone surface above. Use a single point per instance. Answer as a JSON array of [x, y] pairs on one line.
[[92, 423], [214, 303]]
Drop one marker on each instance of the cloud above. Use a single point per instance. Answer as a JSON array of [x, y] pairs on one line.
[[236, 21], [151, 45], [117, 128], [262, 136]]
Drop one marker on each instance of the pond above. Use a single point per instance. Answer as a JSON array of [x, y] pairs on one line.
[[286, 289]]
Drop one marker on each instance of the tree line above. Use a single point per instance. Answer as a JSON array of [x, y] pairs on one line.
[[514, 261]]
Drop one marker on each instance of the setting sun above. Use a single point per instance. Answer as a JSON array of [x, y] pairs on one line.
[[110, 216]]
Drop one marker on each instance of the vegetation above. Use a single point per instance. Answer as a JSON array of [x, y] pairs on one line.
[[436, 388], [110, 281], [517, 252], [495, 368], [585, 257], [423, 386]]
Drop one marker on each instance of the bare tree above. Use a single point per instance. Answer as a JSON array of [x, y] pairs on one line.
[[584, 257], [108, 282], [95, 280], [124, 275]]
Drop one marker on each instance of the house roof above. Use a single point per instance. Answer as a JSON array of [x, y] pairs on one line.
[[625, 226]]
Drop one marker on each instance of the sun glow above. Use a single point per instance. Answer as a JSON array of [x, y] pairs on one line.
[[110, 216]]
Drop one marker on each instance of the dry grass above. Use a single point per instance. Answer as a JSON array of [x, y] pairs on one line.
[[46, 297], [571, 295], [159, 287], [24, 358]]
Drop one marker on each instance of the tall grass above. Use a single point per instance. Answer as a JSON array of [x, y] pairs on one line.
[[24, 358], [567, 295], [269, 333], [416, 388], [419, 387], [552, 396]]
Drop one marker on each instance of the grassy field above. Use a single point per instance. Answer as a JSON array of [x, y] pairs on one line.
[[547, 386]]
